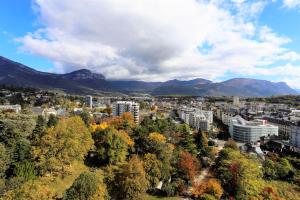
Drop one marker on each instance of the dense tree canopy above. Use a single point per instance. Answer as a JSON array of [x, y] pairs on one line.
[[112, 145], [153, 169], [4, 160], [131, 181], [188, 166], [69, 140]]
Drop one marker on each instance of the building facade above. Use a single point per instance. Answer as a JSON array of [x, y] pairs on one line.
[[295, 136], [236, 101], [250, 131], [16, 108], [121, 107], [284, 127], [196, 118], [89, 101]]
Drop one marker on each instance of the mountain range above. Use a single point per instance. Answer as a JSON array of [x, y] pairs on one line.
[[86, 82]]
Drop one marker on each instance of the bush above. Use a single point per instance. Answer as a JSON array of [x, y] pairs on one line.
[[231, 144], [207, 197], [88, 186], [26, 170], [170, 189], [211, 143]]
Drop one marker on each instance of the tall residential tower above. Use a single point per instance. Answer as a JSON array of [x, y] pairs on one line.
[[121, 107]]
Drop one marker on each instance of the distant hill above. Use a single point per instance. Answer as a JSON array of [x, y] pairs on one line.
[[194, 82], [86, 82]]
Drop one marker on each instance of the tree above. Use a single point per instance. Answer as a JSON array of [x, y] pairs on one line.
[[62, 144], [210, 186], [31, 190], [188, 166], [284, 169], [157, 137], [140, 136], [39, 130], [25, 170], [201, 143], [4, 160], [187, 141], [88, 186], [153, 169], [124, 122], [112, 145], [14, 132], [240, 176], [52, 121], [269, 169], [156, 144], [85, 116], [279, 169], [231, 144], [131, 182]]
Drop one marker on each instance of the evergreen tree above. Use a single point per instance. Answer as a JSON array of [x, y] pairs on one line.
[[187, 141], [4, 160], [201, 143], [85, 116], [88, 186], [52, 121], [39, 130], [131, 182]]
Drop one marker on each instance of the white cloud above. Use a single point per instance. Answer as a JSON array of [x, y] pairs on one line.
[[154, 39], [291, 3]]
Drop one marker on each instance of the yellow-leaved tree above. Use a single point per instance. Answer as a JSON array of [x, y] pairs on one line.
[[210, 186], [112, 145], [157, 137], [62, 144]]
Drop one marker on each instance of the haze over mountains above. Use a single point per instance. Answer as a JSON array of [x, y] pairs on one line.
[[85, 82]]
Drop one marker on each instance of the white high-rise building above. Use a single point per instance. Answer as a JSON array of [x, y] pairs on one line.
[[89, 101], [236, 101], [121, 107]]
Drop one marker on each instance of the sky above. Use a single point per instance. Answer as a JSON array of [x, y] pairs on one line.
[[156, 40]]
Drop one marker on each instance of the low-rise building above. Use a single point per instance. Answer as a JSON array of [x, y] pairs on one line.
[[45, 112], [15, 108]]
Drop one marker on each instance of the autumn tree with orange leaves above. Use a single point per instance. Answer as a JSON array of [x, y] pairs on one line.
[[124, 122], [188, 166], [211, 186]]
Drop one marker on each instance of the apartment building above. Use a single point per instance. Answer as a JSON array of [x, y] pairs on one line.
[[89, 101], [121, 107], [295, 136], [284, 126], [196, 118]]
